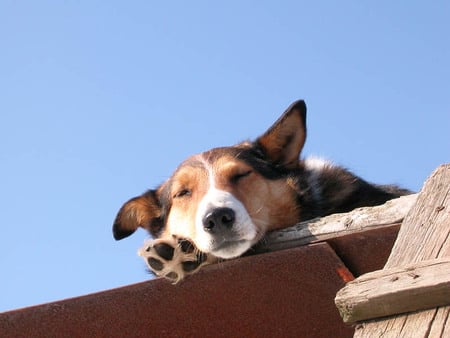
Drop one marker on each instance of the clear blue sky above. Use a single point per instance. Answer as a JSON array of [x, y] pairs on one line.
[[100, 100]]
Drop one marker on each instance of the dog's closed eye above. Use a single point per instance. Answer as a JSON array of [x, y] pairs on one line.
[[183, 193], [236, 177]]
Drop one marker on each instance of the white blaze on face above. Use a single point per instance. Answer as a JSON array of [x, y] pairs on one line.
[[243, 233]]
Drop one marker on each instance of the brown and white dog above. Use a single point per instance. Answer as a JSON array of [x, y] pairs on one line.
[[224, 200]]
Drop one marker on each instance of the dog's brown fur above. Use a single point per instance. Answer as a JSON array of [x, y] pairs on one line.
[[225, 199]]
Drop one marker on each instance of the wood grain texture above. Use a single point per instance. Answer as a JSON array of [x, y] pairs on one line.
[[336, 225], [386, 292], [424, 235]]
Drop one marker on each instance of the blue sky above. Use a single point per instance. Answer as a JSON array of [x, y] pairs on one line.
[[100, 100]]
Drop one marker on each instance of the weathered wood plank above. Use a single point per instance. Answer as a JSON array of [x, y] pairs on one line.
[[441, 323], [336, 225], [419, 324], [386, 292], [425, 234]]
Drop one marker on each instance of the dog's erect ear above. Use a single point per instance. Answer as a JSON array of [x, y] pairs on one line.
[[284, 141], [143, 211]]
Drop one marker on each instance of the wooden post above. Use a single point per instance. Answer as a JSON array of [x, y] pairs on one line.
[[424, 235]]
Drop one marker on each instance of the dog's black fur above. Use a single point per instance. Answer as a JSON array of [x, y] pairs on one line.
[[315, 187]]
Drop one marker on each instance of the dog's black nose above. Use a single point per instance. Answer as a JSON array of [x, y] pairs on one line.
[[219, 219]]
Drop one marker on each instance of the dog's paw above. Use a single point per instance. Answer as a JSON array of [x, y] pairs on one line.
[[173, 258]]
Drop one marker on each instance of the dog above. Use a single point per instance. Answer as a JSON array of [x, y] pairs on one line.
[[220, 203]]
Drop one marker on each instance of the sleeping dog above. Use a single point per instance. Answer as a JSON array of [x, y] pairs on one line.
[[220, 203]]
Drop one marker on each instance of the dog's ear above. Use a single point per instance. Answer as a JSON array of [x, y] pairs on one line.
[[283, 142], [143, 211]]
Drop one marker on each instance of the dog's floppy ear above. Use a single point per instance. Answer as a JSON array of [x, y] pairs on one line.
[[143, 211], [283, 142]]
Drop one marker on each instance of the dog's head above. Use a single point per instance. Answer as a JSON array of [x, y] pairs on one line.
[[225, 199]]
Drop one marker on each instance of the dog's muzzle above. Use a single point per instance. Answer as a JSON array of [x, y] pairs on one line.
[[223, 226]]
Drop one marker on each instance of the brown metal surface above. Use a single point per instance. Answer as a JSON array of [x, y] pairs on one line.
[[366, 251], [288, 293]]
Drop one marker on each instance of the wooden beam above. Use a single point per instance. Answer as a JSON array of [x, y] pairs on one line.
[[424, 235], [337, 225], [386, 292]]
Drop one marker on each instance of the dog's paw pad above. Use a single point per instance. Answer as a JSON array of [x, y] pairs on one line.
[[164, 250], [173, 258]]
